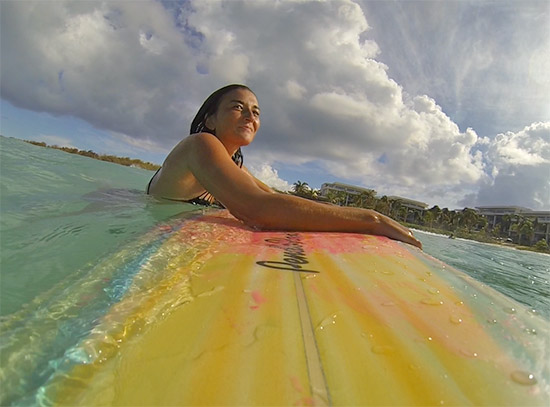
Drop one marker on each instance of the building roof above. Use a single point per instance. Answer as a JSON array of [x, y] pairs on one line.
[[417, 204], [510, 210], [340, 185]]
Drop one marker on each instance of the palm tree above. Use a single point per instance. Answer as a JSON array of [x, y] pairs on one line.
[[367, 199], [456, 219], [469, 218], [403, 214], [506, 224], [337, 197], [482, 223], [446, 219], [526, 229], [436, 213], [301, 188], [383, 205], [497, 230], [395, 208], [428, 218]]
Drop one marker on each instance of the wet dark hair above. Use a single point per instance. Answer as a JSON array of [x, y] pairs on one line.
[[208, 108]]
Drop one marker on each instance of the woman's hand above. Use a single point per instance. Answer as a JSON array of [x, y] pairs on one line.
[[395, 230]]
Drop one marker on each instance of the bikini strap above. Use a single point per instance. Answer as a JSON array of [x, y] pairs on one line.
[[151, 180]]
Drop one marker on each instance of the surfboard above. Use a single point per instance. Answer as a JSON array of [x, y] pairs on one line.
[[220, 314]]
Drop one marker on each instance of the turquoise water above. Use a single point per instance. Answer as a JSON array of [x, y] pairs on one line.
[[61, 214]]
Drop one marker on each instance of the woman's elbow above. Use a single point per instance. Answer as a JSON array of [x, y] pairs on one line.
[[252, 214]]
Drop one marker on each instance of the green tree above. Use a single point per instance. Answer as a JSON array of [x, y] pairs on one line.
[[506, 225], [337, 197], [482, 223], [395, 208], [428, 218], [403, 213], [446, 219], [383, 205], [436, 214], [541, 246], [469, 218], [497, 230], [526, 230], [456, 219], [301, 188], [367, 199]]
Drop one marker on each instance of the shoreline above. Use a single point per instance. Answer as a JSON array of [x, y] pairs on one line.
[[447, 234]]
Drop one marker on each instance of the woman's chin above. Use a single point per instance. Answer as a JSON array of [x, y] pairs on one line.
[[246, 139]]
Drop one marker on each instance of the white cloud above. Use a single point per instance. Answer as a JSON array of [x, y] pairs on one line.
[[120, 65], [141, 70], [124, 141], [530, 146], [520, 169], [484, 62], [294, 90], [270, 176]]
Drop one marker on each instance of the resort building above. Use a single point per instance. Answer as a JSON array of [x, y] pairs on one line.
[[541, 219], [409, 203], [350, 190], [414, 209]]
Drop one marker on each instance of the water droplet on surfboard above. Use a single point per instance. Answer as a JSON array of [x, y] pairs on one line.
[[455, 320], [468, 354], [328, 321], [523, 378], [431, 301]]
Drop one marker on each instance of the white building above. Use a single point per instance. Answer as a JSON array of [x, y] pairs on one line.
[[540, 219], [349, 190]]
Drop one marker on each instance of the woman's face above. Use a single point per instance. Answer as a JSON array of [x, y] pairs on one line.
[[237, 119]]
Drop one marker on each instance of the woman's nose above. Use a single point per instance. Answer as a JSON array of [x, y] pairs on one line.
[[248, 114]]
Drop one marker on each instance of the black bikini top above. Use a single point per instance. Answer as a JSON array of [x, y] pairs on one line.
[[206, 197]]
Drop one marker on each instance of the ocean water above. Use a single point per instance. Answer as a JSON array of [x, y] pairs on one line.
[[62, 214]]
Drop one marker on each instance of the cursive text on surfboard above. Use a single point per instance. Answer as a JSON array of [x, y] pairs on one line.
[[294, 255]]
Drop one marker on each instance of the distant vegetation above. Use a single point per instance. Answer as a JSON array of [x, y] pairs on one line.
[[129, 162], [517, 230]]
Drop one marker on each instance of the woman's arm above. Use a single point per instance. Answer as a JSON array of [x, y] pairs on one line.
[[241, 195]]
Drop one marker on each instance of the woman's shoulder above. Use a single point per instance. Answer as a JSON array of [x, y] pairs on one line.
[[198, 140], [190, 143], [204, 143], [195, 148]]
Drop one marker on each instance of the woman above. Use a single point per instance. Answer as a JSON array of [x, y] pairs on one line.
[[202, 167]]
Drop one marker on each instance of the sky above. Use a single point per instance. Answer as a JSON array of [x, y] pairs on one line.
[[444, 102]]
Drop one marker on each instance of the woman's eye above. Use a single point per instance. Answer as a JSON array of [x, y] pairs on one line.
[[256, 113], [238, 107]]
